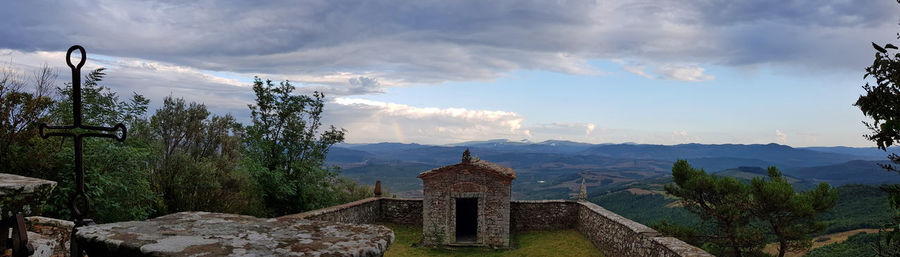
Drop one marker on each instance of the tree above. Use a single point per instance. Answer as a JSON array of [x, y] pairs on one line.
[[20, 114], [741, 216], [721, 201], [195, 165], [286, 149], [116, 174], [789, 216], [882, 103]]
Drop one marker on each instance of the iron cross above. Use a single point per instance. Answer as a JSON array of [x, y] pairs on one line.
[[79, 131]]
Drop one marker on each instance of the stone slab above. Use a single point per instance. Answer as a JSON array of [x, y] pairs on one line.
[[12, 184], [23, 194], [217, 234], [49, 236]]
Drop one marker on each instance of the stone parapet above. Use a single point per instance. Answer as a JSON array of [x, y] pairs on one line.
[[617, 236], [611, 233], [401, 211], [543, 215], [23, 194], [365, 211]]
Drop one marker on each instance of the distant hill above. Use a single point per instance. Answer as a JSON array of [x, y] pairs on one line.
[[346, 155], [748, 173], [865, 153], [852, 172], [714, 164], [554, 168], [779, 155]]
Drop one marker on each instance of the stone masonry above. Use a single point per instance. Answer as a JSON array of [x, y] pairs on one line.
[[614, 235], [23, 194], [219, 234], [444, 187]]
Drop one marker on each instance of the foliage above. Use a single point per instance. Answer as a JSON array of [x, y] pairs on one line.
[[196, 165], [286, 150], [881, 102], [789, 215], [721, 201], [283, 135], [20, 114], [116, 174], [858, 206], [645, 209], [857, 245], [739, 217], [183, 158]]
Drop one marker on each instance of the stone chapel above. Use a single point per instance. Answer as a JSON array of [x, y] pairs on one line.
[[467, 204]]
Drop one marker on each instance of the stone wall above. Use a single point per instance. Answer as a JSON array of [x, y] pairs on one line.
[[370, 210], [401, 211], [611, 233], [543, 215], [617, 236], [365, 211]]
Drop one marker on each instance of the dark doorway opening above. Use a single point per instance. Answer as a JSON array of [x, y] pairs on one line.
[[466, 220]]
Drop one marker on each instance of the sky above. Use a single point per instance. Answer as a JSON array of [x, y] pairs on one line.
[[440, 72]]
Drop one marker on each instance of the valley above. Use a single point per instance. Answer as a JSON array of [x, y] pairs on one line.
[[629, 179]]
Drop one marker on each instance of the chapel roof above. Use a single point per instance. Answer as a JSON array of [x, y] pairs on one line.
[[475, 165]]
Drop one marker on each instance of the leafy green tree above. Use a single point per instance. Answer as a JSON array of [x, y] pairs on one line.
[[789, 216], [117, 176], [287, 150], [721, 201], [196, 163], [739, 217], [20, 114], [881, 103]]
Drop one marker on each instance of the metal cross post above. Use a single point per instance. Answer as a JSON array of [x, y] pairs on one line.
[[79, 131]]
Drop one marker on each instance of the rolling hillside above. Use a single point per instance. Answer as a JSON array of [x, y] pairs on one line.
[[554, 168]]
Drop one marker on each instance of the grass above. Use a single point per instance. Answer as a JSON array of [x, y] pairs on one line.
[[535, 243]]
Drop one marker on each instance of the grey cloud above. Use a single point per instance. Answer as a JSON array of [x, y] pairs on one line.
[[151, 79], [412, 42], [354, 86], [799, 12]]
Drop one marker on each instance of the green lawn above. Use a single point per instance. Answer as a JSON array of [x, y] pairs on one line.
[[536, 243]]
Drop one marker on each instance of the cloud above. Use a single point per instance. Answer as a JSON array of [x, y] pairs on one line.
[[430, 42], [689, 73], [634, 68], [780, 137], [683, 137], [369, 121], [226, 93], [154, 80], [375, 121], [565, 130], [342, 84]]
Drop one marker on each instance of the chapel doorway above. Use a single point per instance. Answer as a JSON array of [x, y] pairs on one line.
[[466, 220]]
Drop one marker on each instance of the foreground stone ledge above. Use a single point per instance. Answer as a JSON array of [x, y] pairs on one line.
[[49, 236], [217, 234], [23, 194]]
